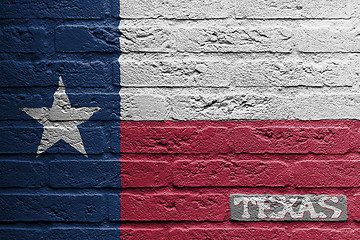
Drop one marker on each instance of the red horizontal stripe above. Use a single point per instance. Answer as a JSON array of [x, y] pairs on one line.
[[177, 176], [198, 137]]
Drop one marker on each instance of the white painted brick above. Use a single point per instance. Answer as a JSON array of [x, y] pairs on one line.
[[146, 39], [220, 73], [201, 107], [210, 39], [143, 107], [238, 106], [227, 39], [229, 107], [254, 9], [294, 73], [211, 71], [327, 106], [328, 39], [174, 9], [178, 73], [300, 9], [234, 39]]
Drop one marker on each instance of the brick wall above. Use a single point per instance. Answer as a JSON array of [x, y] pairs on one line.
[[217, 97], [60, 194], [236, 96]]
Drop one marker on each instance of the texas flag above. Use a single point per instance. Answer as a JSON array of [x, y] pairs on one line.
[[195, 107]]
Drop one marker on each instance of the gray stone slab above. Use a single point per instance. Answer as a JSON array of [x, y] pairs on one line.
[[265, 207]]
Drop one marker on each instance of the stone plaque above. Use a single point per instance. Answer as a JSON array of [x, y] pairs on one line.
[[288, 208]]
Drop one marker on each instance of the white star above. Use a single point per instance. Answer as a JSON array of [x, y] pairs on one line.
[[61, 121]]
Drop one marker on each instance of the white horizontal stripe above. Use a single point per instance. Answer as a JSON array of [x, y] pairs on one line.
[[186, 104], [182, 60]]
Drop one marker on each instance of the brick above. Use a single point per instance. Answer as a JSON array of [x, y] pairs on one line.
[[220, 73], [21, 233], [236, 40], [135, 234], [93, 139], [326, 174], [263, 73], [64, 9], [43, 74], [24, 40], [228, 233], [174, 140], [195, 105], [218, 173], [85, 174], [326, 106], [185, 9], [108, 233], [304, 9], [71, 38], [55, 208], [329, 39], [30, 139], [144, 173], [322, 233], [275, 139], [22, 174], [141, 107], [198, 39], [175, 73], [171, 207], [220, 107]]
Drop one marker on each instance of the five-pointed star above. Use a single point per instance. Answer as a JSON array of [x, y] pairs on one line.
[[61, 121]]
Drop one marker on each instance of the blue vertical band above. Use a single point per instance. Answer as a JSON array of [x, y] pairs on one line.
[[63, 192]]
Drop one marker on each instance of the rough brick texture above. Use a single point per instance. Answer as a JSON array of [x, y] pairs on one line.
[[244, 9], [174, 140], [234, 173], [56, 208], [22, 174], [85, 39], [61, 193], [172, 207], [218, 97], [135, 174], [24, 39], [216, 73], [75, 174], [319, 174]]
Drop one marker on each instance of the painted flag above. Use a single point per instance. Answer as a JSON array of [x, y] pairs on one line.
[[169, 119]]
